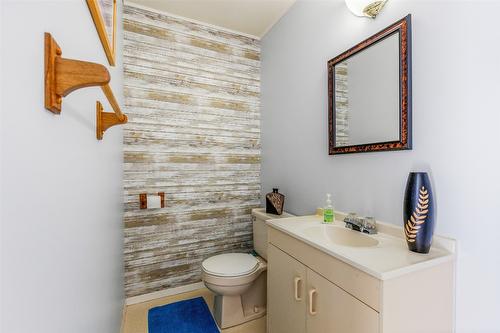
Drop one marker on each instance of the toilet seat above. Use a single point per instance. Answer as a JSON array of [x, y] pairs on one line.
[[230, 265]]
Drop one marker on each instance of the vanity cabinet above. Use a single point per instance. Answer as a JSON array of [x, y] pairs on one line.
[[311, 291], [301, 300], [286, 293], [332, 310]]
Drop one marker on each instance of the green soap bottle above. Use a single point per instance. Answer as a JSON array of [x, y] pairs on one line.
[[328, 213]]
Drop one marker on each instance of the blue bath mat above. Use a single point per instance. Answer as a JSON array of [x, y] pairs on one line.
[[189, 316]]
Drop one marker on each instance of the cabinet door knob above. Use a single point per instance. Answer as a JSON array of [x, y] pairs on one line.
[[296, 282], [312, 306]]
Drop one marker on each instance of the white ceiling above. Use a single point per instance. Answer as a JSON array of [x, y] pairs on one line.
[[249, 17]]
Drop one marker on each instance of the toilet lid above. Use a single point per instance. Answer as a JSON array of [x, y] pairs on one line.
[[230, 264]]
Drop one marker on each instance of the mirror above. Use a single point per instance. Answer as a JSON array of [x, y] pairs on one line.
[[369, 89]]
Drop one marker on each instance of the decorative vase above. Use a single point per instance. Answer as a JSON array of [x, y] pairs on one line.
[[418, 212], [275, 202]]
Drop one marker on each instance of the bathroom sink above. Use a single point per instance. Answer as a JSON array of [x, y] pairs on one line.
[[339, 236]]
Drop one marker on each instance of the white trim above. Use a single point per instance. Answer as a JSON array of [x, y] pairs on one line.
[[271, 25], [213, 26], [164, 293], [122, 327]]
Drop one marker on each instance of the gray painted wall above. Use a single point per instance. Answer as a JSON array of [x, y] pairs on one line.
[[61, 189], [456, 65]]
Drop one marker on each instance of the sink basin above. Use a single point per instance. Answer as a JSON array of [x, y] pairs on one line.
[[340, 236]]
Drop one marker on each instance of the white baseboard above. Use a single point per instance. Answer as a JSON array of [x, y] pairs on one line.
[[122, 327], [164, 293]]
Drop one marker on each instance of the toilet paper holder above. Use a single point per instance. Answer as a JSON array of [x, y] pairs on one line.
[[143, 200]]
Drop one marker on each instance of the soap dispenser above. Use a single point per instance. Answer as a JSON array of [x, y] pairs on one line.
[[328, 213]]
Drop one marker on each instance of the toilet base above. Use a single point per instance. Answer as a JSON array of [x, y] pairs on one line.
[[238, 309]]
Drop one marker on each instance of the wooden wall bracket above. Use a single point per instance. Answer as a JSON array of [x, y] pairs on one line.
[[162, 198], [63, 76], [105, 120], [143, 200]]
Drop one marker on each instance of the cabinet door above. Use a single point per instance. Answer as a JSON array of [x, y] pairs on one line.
[[286, 297], [332, 310]]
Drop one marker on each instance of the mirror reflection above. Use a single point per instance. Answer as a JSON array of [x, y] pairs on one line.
[[366, 98]]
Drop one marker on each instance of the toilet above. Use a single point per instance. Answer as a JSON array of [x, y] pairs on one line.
[[239, 280]]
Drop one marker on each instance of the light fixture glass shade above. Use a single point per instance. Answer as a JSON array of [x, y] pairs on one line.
[[367, 8]]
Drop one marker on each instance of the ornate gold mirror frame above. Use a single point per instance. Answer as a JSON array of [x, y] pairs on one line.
[[403, 29]]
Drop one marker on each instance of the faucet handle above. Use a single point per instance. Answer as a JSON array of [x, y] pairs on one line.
[[369, 224], [353, 222], [363, 224]]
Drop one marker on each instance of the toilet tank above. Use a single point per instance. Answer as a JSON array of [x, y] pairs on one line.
[[259, 218]]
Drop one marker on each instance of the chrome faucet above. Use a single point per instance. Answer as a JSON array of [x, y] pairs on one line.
[[366, 225]]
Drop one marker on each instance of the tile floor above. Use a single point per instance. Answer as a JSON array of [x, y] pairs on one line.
[[136, 315]]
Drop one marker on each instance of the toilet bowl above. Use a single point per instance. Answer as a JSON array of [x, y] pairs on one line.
[[239, 280]]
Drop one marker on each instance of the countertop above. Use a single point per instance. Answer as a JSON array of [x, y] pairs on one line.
[[388, 259]]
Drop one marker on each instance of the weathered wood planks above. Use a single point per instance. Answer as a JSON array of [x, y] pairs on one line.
[[192, 97]]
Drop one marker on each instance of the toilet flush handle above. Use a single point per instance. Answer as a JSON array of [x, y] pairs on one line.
[[296, 282]]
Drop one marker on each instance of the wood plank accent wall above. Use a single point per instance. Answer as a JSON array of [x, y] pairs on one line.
[[192, 97], [341, 104]]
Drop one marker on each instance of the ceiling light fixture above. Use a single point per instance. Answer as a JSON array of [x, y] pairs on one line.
[[366, 8]]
